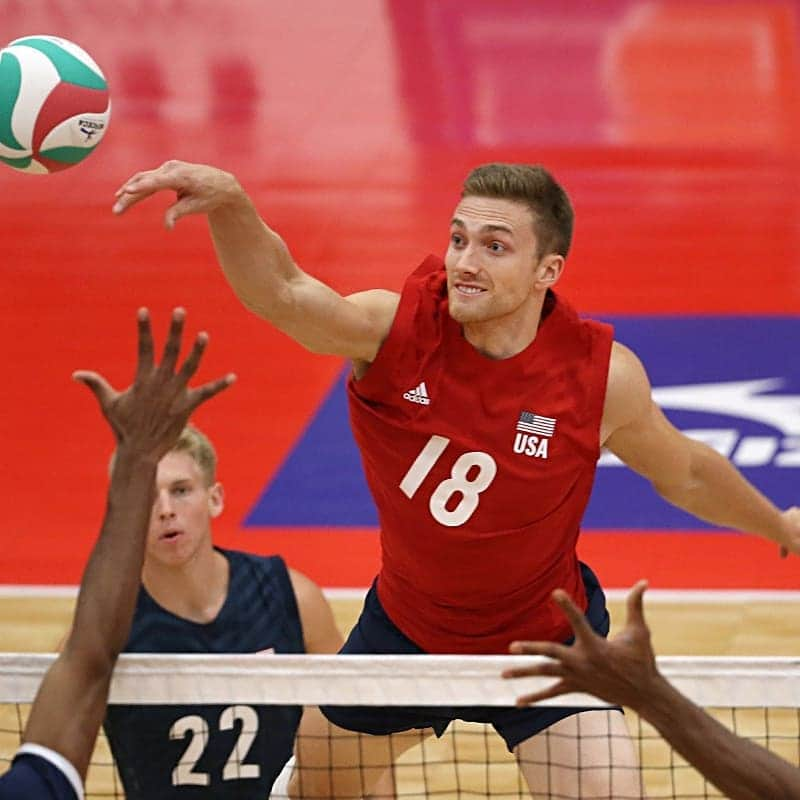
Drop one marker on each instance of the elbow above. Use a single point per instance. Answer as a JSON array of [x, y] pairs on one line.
[[678, 487]]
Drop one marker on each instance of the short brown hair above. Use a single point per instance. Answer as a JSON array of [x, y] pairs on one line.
[[536, 188]]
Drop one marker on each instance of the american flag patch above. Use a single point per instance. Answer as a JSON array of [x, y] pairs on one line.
[[535, 423]]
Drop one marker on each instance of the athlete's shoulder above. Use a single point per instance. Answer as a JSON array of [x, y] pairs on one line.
[[628, 393], [625, 368], [320, 633]]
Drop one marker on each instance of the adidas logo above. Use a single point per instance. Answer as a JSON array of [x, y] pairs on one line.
[[418, 395]]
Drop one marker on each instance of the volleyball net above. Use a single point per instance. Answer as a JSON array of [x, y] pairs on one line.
[[758, 698]]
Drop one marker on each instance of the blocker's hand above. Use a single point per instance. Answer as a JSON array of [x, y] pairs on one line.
[[199, 188], [621, 670], [150, 414]]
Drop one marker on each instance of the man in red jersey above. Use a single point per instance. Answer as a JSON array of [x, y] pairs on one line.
[[480, 402]]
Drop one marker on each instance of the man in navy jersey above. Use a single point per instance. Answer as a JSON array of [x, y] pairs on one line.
[[480, 401], [146, 419], [196, 598]]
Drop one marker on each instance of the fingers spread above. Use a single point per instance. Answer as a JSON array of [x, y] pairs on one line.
[[152, 411]]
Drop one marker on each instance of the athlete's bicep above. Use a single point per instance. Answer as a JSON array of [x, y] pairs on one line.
[[634, 427], [324, 321]]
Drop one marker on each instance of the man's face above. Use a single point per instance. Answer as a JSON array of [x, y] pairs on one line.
[[491, 259], [180, 523]]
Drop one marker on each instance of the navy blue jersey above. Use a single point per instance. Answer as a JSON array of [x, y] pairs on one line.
[[235, 751], [39, 773]]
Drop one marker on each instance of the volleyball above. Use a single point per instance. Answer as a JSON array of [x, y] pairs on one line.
[[54, 104]]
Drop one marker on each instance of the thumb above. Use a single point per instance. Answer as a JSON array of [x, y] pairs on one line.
[[97, 384], [635, 604]]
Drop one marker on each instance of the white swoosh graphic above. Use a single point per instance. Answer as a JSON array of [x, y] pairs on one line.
[[742, 399]]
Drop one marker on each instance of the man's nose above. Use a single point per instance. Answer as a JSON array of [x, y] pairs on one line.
[[164, 507], [469, 261]]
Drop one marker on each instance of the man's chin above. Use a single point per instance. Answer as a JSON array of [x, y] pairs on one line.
[[464, 314]]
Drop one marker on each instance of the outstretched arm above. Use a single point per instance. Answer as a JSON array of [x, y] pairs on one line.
[[259, 267], [622, 670], [146, 419], [684, 472]]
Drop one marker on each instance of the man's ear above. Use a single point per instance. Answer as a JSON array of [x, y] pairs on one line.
[[549, 270], [216, 500]]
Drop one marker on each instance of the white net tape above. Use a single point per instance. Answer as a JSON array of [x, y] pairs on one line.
[[394, 680], [759, 698]]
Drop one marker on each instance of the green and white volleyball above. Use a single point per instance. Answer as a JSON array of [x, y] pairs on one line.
[[54, 104]]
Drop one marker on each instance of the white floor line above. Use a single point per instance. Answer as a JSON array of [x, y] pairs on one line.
[[679, 596]]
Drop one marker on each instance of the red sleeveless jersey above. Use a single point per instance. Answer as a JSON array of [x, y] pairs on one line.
[[480, 469]]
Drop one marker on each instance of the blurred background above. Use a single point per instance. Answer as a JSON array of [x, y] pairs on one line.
[[673, 126]]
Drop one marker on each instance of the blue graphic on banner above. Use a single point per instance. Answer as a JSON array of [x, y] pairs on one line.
[[322, 482], [732, 382]]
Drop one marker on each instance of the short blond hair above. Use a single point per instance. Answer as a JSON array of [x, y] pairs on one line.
[[198, 446], [194, 442]]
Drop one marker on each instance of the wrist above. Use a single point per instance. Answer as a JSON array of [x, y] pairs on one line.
[[659, 701], [128, 459], [233, 199]]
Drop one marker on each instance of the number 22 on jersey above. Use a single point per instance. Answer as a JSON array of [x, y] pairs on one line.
[[458, 483], [197, 729]]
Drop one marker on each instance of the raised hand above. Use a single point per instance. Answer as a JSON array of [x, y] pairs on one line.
[[200, 189], [150, 414], [620, 670]]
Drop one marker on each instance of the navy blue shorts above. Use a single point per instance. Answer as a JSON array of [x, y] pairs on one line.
[[376, 634], [32, 777]]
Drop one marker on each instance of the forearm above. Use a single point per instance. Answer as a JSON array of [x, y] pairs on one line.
[[740, 769], [716, 492], [113, 574], [255, 260], [262, 273], [70, 703]]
